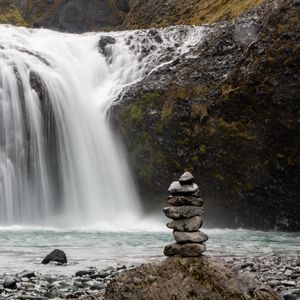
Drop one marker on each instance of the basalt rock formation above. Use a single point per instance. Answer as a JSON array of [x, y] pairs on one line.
[[228, 112]]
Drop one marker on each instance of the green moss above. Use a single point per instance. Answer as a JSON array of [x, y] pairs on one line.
[[12, 15], [135, 112]]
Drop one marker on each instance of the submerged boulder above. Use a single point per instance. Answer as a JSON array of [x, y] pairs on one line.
[[55, 256], [186, 278]]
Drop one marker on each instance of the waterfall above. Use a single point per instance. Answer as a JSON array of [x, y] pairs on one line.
[[60, 164]]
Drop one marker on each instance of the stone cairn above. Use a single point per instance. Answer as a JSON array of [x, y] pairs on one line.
[[186, 212]]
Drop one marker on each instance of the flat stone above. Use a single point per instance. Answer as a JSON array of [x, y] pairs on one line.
[[190, 237], [186, 178], [184, 250], [176, 188], [289, 283], [187, 225], [84, 272], [185, 200], [26, 274], [183, 212]]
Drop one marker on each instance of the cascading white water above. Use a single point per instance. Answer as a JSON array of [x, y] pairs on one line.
[[59, 161]]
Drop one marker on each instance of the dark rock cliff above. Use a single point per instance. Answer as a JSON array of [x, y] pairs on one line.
[[65, 15], [230, 114]]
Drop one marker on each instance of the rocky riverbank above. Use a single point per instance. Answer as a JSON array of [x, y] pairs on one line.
[[280, 272]]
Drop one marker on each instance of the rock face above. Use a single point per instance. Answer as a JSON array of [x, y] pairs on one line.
[[186, 278], [190, 12], [66, 15], [228, 112], [56, 256]]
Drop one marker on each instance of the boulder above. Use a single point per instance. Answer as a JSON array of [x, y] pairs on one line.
[[183, 212], [188, 225], [103, 44], [184, 250], [185, 200], [10, 283], [187, 278], [186, 178], [56, 256], [176, 188], [190, 237]]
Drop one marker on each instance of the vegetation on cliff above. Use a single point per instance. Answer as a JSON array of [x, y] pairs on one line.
[[158, 13], [229, 114], [79, 16]]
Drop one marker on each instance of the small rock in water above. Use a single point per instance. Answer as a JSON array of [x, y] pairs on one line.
[[183, 212], [55, 256], [185, 200], [190, 237], [10, 283], [188, 225], [184, 250], [104, 42], [186, 178], [182, 189]]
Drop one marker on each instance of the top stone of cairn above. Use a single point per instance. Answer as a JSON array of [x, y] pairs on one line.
[[186, 178], [185, 185]]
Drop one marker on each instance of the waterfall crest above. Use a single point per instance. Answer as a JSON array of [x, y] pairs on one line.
[[60, 164]]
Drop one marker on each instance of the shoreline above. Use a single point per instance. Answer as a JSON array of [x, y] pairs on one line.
[[280, 272]]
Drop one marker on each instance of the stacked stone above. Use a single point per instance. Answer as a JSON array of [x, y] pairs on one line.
[[186, 211]]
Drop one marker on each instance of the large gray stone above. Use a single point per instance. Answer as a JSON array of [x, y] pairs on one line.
[[184, 250], [186, 178], [187, 225], [10, 283], [176, 188], [190, 237], [183, 212], [57, 256], [185, 200]]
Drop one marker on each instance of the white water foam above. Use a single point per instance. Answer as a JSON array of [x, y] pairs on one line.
[[79, 176]]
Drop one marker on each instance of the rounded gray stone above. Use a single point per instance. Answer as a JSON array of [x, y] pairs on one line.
[[184, 250], [176, 188], [187, 225], [190, 237], [183, 212], [186, 178], [185, 200]]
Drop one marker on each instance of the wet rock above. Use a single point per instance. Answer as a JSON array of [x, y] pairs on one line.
[[26, 274], [188, 225], [10, 283], [185, 200], [190, 237], [186, 178], [85, 272], [289, 297], [183, 212], [182, 189], [56, 256], [186, 278], [104, 45], [184, 250]]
